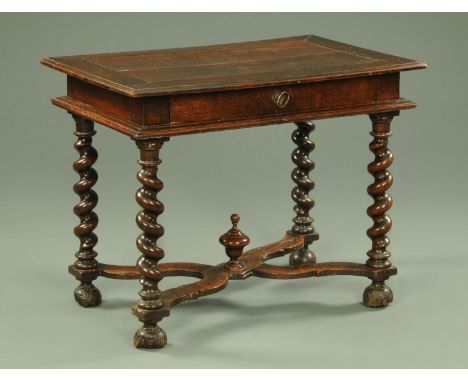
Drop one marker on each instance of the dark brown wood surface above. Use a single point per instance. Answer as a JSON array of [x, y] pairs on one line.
[[170, 92], [378, 293], [282, 61], [153, 95], [86, 265]]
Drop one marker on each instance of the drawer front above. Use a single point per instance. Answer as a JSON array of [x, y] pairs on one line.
[[281, 100]]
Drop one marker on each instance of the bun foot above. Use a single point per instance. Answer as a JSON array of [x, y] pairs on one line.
[[301, 257], [377, 295], [150, 337], [87, 295]]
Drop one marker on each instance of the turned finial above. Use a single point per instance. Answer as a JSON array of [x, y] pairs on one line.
[[234, 242]]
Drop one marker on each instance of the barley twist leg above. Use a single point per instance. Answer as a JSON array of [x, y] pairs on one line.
[[147, 309], [303, 222], [87, 295], [378, 294]]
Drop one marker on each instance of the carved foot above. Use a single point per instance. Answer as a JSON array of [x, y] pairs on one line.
[[87, 295], [150, 337], [377, 295], [302, 256]]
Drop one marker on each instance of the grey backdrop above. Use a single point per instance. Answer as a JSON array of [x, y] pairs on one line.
[[307, 323]]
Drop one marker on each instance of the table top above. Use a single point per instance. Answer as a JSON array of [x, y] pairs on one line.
[[301, 59]]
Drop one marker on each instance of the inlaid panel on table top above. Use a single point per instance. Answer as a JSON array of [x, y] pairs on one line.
[[293, 60]]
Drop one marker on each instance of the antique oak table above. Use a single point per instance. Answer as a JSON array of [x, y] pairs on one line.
[[152, 96]]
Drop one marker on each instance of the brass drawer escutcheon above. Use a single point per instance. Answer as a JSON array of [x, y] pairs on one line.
[[281, 99]]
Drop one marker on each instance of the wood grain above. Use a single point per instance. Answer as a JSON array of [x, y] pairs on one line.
[[136, 131], [153, 95], [284, 61]]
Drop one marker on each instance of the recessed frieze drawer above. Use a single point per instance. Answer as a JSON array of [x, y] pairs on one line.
[[280, 100]]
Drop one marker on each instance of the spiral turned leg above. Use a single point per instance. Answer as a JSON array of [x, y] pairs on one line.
[[87, 295], [147, 309], [303, 222], [378, 294]]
